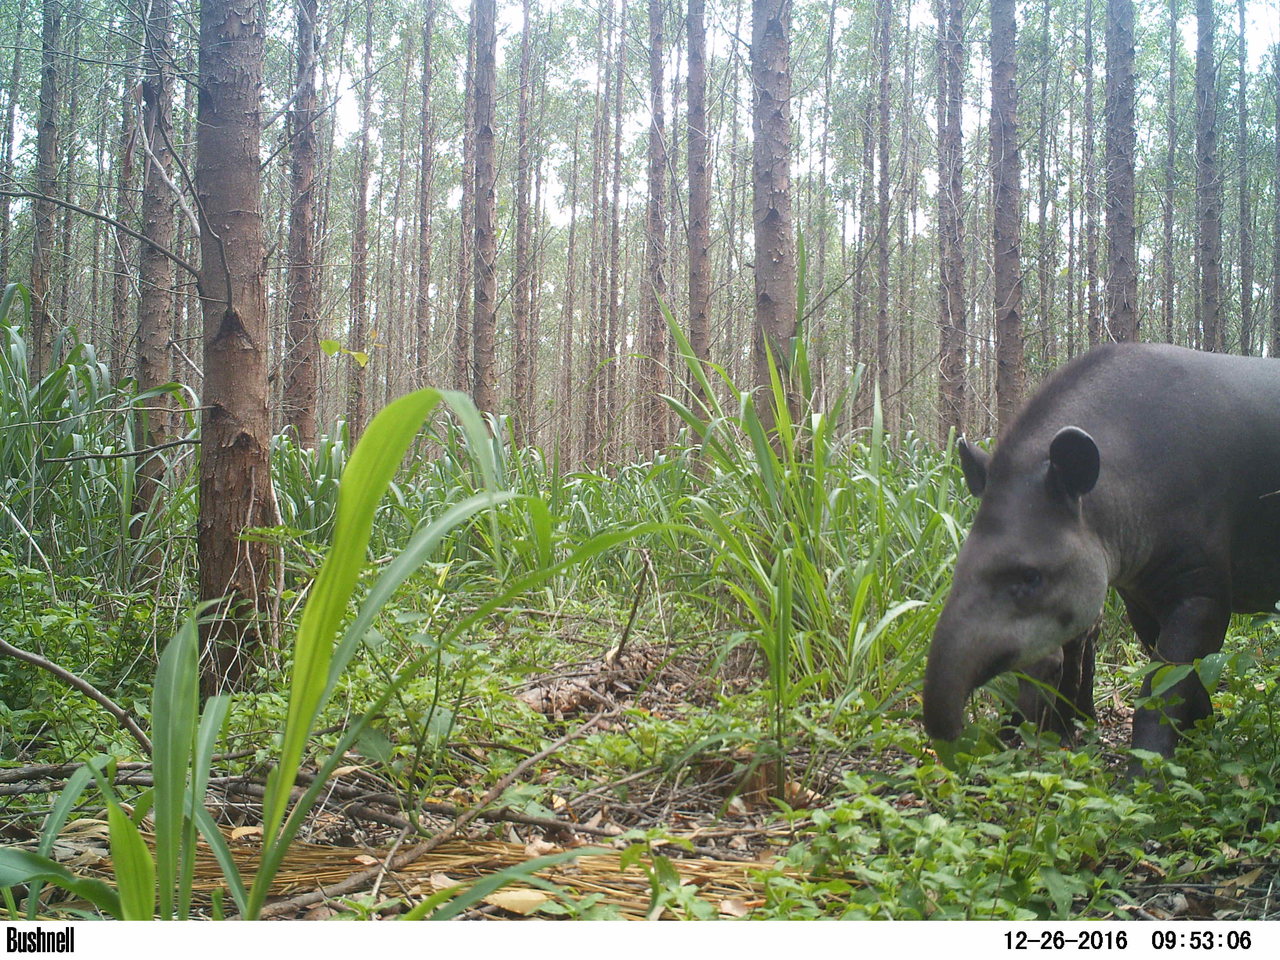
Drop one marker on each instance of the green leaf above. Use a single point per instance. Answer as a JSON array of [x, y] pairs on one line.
[[330, 347], [134, 869], [23, 866]]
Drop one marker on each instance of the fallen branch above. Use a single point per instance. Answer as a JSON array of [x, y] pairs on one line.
[[84, 686], [124, 453]]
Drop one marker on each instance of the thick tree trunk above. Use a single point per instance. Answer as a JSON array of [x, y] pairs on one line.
[[653, 367], [235, 468], [1006, 173], [953, 321], [41, 342], [302, 344], [1208, 181], [699, 188], [486, 178], [775, 260], [1122, 273]]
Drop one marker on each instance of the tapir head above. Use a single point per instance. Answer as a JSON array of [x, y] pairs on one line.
[[1030, 577]]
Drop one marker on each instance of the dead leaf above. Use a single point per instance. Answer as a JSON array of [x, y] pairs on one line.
[[733, 907], [800, 797], [85, 827], [239, 833], [539, 847], [343, 771], [1244, 881], [364, 858], [737, 807], [519, 900], [442, 881]]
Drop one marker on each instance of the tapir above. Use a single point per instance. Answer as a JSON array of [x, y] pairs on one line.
[[1145, 467]]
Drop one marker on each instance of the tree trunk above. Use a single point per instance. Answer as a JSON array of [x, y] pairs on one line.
[[422, 352], [1208, 182], [775, 261], [569, 344], [466, 237], [1246, 213], [953, 322], [699, 189], [653, 366], [6, 156], [357, 372], [609, 415], [41, 344], [1122, 273], [1275, 223], [1093, 322], [522, 385], [122, 244], [235, 467], [882, 50], [1006, 173], [1170, 181], [486, 177], [155, 270], [302, 344]]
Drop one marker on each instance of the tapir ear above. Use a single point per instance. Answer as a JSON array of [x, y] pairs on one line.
[[973, 461], [1074, 461]]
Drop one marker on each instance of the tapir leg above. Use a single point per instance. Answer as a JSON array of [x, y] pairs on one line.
[[1194, 628], [1069, 674]]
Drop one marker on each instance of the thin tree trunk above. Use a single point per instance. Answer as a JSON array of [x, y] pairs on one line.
[[422, 352], [883, 15], [609, 414], [122, 244], [357, 372], [775, 261], [593, 417], [235, 467], [41, 345], [569, 344], [1170, 181], [653, 367], [1122, 273], [1006, 173], [302, 343], [522, 385], [699, 190], [1093, 310], [1246, 212], [155, 270], [953, 321], [486, 238], [466, 239], [1275, 223], [1208, 181], [6, 157]]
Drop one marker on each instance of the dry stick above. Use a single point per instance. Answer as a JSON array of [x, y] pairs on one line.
[[122, 454], [358, 880], [84, 686]]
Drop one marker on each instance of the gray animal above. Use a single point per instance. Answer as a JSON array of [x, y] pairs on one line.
[[1149, 468]]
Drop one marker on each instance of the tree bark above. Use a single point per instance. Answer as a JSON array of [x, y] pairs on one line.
[[1208, 181], [1006, 173], [6, 156], [775, 261], [1275, 207], [235, 467], [466, 237], [1093, 310], [486, 178], [882, 51], [1122, 273], [122, 244]]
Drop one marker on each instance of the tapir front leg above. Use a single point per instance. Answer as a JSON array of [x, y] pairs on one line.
[[1193, 629], [1069, 674]]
